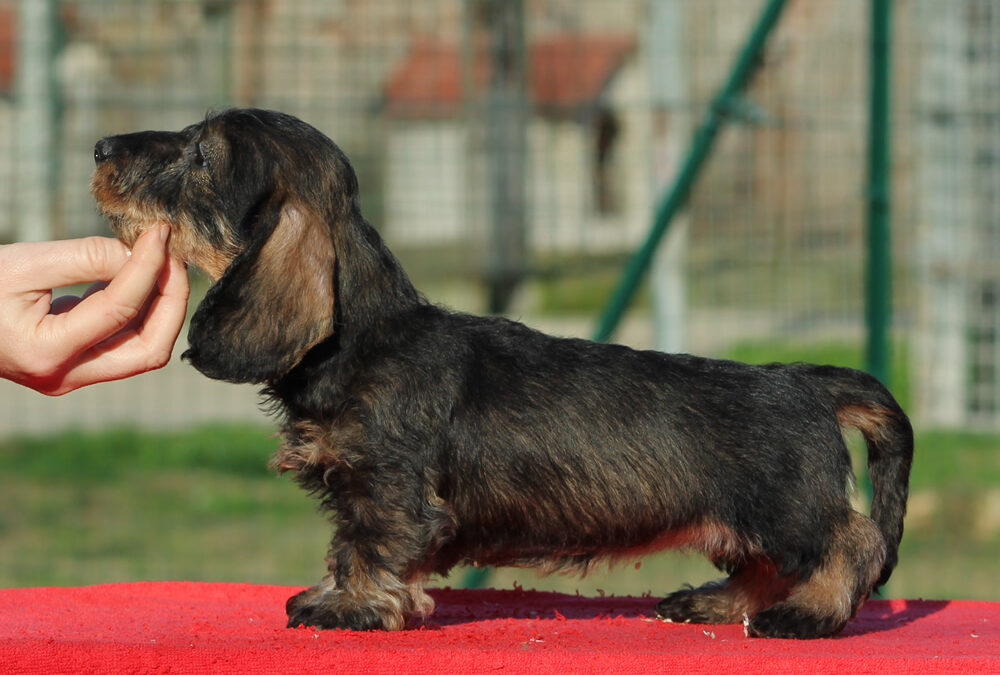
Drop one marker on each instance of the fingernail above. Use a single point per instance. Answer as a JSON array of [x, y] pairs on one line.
[[164, 233]]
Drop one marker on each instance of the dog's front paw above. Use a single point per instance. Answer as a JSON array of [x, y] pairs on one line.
[[302, 598], [326, 609]]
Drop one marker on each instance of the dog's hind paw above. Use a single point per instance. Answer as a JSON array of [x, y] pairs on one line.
[[684, 606], [785, 620]]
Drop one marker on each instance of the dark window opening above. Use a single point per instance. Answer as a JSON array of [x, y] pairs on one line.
[[606, 194]]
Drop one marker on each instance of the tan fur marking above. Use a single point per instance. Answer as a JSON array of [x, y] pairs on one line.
[[751, 589], [828, 590], [710, 537], [186, 246], [423, 604], [309, 449], [130, 219], [380, 591], [309, 445], [841, 585], [394, 601], [870, 420], [754, 588], [299, 255]]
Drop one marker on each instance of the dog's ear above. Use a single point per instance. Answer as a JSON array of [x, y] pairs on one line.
[[273, 303]]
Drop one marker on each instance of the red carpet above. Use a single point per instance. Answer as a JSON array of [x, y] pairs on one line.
[[232, 628]]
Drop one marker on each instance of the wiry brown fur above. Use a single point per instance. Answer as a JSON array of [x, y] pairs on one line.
[[436, 438], [129, 220]]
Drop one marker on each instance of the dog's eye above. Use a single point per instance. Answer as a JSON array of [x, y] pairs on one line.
[[199, 156]]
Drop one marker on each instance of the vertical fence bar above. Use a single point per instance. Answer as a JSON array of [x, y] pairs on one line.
[[36, 106], [506, 153], [878, 285], [701, 147]]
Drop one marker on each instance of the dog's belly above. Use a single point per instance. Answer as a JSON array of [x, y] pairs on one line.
[[714, 539]]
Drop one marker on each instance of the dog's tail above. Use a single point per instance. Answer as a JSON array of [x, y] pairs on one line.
[[861, 401]]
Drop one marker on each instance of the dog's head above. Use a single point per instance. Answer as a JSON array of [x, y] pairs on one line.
[[254, 198]]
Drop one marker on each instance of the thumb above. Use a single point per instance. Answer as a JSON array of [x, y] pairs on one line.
[[101, 314]]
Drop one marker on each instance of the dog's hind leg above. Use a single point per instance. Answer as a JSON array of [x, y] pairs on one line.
[[821, 605], [751, 587]]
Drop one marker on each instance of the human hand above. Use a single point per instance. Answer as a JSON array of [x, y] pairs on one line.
[[117, 329]]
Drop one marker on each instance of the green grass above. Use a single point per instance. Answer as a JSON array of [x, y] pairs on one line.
[[585, 290], [956, 460], [110, 455], [126, 505]]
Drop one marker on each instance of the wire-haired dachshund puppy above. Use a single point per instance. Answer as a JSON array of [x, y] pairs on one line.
[[436, 438]]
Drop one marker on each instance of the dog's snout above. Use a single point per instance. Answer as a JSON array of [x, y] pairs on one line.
[[104, 150]]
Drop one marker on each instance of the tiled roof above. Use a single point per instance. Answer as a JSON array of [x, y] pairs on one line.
[[565, 72], [6, 48]]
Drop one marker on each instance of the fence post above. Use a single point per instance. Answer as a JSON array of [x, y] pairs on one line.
[[36, 115], [506, 151], [878, 308], [878, 282]]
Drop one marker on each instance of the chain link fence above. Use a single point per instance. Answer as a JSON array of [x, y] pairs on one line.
[[512, 153]]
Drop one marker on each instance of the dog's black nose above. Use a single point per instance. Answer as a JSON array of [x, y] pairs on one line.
[[104, 150]]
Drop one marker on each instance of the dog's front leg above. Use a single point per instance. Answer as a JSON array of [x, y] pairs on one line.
[[374, 578], [373, 600]]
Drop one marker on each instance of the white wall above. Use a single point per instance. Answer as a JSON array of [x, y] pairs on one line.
[[425, 182]]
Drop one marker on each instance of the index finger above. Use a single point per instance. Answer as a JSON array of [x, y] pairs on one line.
[[135, 350], [107, 311], [51, 264]]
